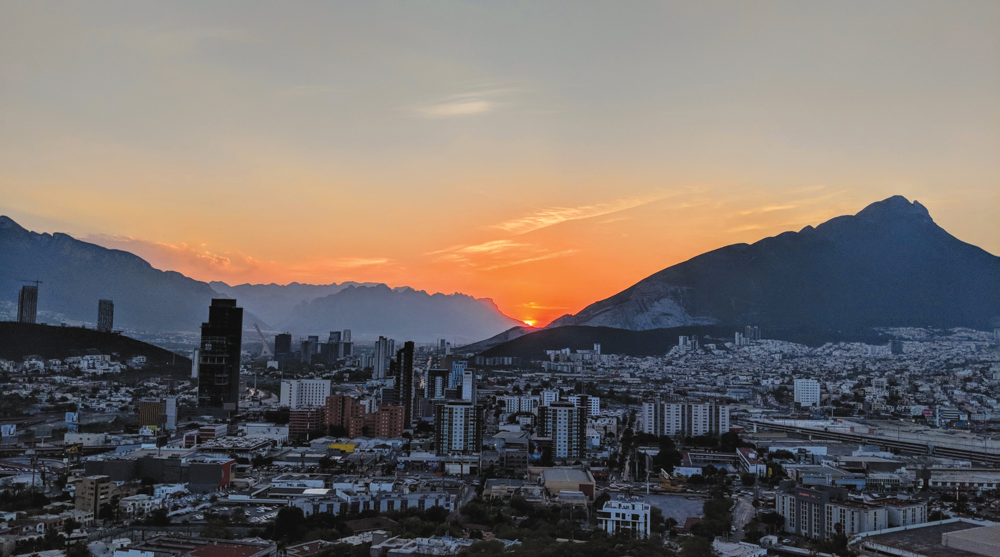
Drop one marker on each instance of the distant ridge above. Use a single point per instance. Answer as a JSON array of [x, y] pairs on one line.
[[496, 340], [18, 340], [888, 266]]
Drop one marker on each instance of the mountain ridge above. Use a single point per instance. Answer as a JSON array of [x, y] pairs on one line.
[[888, 265]]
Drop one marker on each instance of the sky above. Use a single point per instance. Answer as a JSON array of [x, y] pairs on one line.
[[543, 154]]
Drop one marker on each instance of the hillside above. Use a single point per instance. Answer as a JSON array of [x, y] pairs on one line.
[[888, 266], [18, 340]]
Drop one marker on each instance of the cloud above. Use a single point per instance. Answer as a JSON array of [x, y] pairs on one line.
[[556, 215], [465, 104], [496, 254], [563, 253], [535, 305]]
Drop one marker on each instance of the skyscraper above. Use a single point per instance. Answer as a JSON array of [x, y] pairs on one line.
[[27, 304], [219, 360], [404, 382], [105, 315], [469, 386], [458, 428], [384, 349]]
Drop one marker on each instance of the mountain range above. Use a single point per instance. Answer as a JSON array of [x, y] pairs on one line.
[[889, 265], [76, 274]]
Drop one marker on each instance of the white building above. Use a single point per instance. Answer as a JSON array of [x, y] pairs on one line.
[[625, 516], [686, 418], [807, 392], [469, 386], [304, 393], [593, 402], [515, 404], [548, 397], [458, 428], [269, 431], [566, 424]]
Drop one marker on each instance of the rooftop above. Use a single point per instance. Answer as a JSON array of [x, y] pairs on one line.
[[924, 540]]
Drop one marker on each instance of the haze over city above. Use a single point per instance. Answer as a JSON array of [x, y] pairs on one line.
[[542, 155]]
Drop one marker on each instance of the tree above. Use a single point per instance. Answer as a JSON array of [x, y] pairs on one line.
[[78, 549], [158, 517], [748, 479], [70, 525], [730, 441], [696, 546]]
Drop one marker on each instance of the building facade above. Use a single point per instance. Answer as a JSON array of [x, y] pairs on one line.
[[27, 304], [625, 516], [219, 358], [458, 428], [566, 424], [304, 393], [807, 392], [105, 315], [684, 418]]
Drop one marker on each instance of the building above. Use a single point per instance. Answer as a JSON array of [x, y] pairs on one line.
[[593, 403], [566, 424], [93, 492], [515, 404], [457, 373], [469, 386], [168, 545], [27, 304], [283, 346], [807, 392], [152, 412], [684, 418], [548, 397], [304, 393], [458, 428], [105, 315], [625, 516], [219, 358], [956, 537], [905, 512], [340, 409], [384, 349], [305, 423], [818, 512], [437, 383], [404, 382]]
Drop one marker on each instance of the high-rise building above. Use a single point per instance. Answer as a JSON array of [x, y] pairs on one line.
[[895, 347], [304, 393], [282, 346], [751, 333], [171, 409], [27, 304], [807, 392], [219, 359], [469, 386], [515, 404], [384, 350], [306, 423], [458, 428], [437, 383], [590, 403], [685, 418], [457, 373], [105, 315], [566, 424], [548, 397], [404, 382]]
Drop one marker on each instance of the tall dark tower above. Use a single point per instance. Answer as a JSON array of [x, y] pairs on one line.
[[219, 360], [27, 304], [404, 382], [105, 315]]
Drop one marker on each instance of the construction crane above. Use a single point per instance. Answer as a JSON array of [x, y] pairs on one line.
[[266, 350]]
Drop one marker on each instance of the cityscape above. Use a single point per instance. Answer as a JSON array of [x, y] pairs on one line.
[[733, 363]]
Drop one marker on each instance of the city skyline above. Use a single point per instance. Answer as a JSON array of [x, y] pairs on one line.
[[542, 157]]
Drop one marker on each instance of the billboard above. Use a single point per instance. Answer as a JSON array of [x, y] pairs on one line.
[[72, 422], [8, 430], [147, 430]]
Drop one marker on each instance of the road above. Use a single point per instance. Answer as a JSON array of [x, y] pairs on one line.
[[743, 513]]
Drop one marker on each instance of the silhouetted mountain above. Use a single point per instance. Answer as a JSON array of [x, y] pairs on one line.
[[401, 313], [496, 340], [75, 275], [656, 342], [890, 265], [276, 303], [18, 340]]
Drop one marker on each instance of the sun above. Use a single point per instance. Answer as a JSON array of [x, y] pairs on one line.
[[529, 323]]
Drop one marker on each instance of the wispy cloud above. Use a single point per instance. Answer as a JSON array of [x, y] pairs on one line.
[[464, 104], [535, 305], [555, 215], [543, 257]]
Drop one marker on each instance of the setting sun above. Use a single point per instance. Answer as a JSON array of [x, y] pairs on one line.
[[529, 323]]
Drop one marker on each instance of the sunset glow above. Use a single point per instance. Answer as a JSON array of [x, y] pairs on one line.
[[428, 149]]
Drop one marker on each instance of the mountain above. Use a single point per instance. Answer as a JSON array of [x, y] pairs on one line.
[[401, 313], [28, 339], [277, 303], [889, 265], [496, 340], [654, 342], [75, 275]]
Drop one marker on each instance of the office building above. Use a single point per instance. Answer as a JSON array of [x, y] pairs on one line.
[[751, 333], [566, 424], [152, 412], [27, 304], [457, 373], [807, 392], [625, 516], [93, 492], [304, 393], [384, 349], [548, 397], [684, 418], [282, 346], [404, 382], [309, 348], [515, 404], [458, 428], [105, 315], [219, 359]]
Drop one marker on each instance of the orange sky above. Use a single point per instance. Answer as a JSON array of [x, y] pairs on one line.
[[543, 155]]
